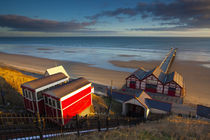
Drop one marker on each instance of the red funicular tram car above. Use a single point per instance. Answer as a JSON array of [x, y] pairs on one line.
[[32, 91], [67, 100]]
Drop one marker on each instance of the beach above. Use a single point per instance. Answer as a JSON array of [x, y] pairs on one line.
[[196, 77]]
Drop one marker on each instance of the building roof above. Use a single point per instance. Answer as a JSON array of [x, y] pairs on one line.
[[142, 97], [55, 70], [68, 87], [203, 111], [141, 73], [120, 96], [176, 77], [38, 83], [158, 105], [159, 74], [124, 96], [163, 77]]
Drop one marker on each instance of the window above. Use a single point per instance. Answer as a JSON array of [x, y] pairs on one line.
[[150, 86], [53, 103], [173, 85], [178, 91], [33, 95], [29, 95], [26, 93], [39, 95], [133, 82], [45, 99], [58, 105], [172, 89], [49, 100], [128, 83], [153, 82]]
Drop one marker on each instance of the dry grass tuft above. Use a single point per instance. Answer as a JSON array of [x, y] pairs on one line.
[[14, 78], [10, 84]]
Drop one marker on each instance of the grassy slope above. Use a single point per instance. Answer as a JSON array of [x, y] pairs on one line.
[[10, 82], [14, 78], [170, 128]]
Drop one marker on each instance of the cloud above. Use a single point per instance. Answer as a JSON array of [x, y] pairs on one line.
[[119, 11], [188, 13], [177, 28], [22, 23]]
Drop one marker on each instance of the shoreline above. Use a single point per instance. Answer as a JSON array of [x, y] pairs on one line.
[[197, 77]]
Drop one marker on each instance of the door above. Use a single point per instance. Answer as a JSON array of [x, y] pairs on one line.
[[151, 88], [171, 91], [133, 84]]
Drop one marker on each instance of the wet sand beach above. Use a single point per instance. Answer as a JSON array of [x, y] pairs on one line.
[[197, 77]]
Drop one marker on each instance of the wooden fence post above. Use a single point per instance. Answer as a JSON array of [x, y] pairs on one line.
[[118, 122], [129, 122], [107, 123], [77, 124], [99, 124], [39, 125]]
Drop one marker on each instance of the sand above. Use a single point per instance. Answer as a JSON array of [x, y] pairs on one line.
[[197, 77]]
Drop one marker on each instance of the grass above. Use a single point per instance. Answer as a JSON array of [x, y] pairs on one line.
[[10, 84], [116, 107], [171, 128], [14, 78], [100, 106]]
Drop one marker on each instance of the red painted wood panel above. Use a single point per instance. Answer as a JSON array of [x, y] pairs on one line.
[[153, 90], [76, 97], [28, 104], [171, 93], [41, 107], [56, 98], [133, 85], [76, 108]]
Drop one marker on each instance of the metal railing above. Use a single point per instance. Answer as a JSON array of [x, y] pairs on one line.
[[29, 126]]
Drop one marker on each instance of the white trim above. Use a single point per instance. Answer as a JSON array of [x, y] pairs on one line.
[[52, 107], [77, 101], [30, 110], [51, 85], [92, 89], [61, 113], [74, 92], [37, 106], [56, 111]]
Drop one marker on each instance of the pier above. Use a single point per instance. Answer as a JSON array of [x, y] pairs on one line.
[[167, 61]]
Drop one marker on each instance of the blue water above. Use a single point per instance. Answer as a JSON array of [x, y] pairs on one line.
[[99, 50]]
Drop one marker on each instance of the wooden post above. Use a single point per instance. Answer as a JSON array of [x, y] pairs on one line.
[[107, 123], [129, 122], [2, 96], [39, 125], [61, 130], [110, 98], [118, 123], [99, 124], [77, 124]]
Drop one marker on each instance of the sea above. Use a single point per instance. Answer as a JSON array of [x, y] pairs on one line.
[[98, 51]]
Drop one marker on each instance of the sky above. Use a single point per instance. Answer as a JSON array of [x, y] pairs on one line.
[[188, 18]]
